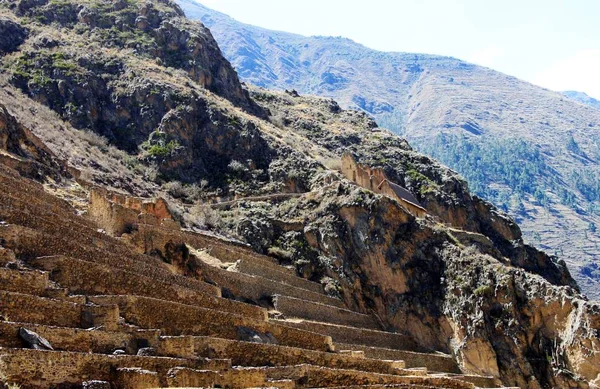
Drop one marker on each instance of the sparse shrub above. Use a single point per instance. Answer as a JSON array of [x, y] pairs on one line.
[[234, 121], [237, 166], [280, 253], [175, 189], [203, 184], [331, 163], [424, 183], [94, 139], [176, 212], [204, 216], [163, 150], [187, 193], [151, 173], [131, 162]]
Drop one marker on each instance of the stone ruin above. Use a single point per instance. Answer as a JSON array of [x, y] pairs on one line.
[[86, 308], [377, 181], [117, 213]]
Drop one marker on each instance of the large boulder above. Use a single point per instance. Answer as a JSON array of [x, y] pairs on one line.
[[33, 340]]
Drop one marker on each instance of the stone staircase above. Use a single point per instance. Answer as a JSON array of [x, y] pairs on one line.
[[115, 316]]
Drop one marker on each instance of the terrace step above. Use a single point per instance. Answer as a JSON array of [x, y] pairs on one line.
[[239, 352], [26, 193], [98, 341], [15, 207], [308, 376], [23, 281], [256, 354], [353, 335], [432, 361], [477, 380], [149, 238], [225, 251], [92, 278], [43, 369], [235, 378], [299, 308], [403, 386], [274, 272], [281, 384], [181, 319], [136, 378], [19, 307], [257, 288], [30, 243], [70, 338]]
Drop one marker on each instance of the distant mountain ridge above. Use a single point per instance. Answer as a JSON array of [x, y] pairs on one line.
[[532, 151], [583, 98]]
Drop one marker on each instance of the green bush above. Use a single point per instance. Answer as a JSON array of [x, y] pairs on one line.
[[484, 291], [163, 150]]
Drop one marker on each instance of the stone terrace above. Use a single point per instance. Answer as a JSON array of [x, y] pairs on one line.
[[127, 299]]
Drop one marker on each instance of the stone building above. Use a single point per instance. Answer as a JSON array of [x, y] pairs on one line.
[[117, 213], [376, 180]]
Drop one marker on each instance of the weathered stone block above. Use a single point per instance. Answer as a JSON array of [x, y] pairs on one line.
[[136, 378], [29, 282]]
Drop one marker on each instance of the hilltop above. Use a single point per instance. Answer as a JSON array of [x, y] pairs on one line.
[[533, 152], [583, 98]]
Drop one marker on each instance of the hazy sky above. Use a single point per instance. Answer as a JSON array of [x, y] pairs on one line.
[[552, 43]]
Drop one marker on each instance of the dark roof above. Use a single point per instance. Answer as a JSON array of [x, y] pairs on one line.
[[403, 194]]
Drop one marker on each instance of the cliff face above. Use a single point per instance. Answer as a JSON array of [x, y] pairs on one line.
[[176, 122], [495, 318]]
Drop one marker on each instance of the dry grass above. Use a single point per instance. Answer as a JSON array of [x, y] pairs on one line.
[[204, 217]]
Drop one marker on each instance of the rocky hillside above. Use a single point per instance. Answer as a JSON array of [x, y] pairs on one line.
[[130, 96], [531, 151]]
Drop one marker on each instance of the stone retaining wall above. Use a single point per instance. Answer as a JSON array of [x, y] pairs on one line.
[[274, 273], [301, 308], [30, 282], [256, 354], [93, 279], [180, 319], [344, 334], [432, 361], [49, 368]]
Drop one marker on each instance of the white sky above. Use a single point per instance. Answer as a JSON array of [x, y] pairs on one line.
[[552, 43]]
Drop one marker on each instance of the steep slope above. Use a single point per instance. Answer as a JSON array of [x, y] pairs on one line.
[[165, 115], [533, 152]]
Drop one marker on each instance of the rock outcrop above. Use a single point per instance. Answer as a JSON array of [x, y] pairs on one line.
[[12, 35], [122, 99], [23, 151]]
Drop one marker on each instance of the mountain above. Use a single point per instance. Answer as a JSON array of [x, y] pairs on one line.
[[164, 225], [533, 152], [582, 98]]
